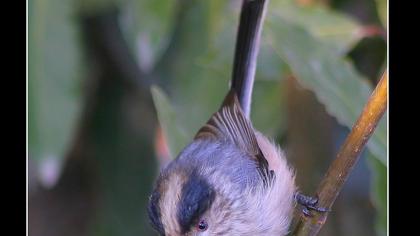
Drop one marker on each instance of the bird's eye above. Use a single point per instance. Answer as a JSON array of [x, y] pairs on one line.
[[202, 226]]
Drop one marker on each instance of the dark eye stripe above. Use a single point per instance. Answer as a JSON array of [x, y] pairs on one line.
[[196, 197]]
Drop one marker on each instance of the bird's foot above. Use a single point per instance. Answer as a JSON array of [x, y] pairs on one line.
[[309, 203]]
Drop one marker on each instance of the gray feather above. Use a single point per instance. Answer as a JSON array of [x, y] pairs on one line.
[[229, 124]]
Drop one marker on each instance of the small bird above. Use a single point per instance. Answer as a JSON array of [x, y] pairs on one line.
[[231, 179]]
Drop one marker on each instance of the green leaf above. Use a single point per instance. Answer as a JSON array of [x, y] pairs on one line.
[[54, 79], [172, 131], [220, 54], [382, 6], [334, 80], [337, 29], [269, 107], [379, 193], [147, 26], [196, 88]]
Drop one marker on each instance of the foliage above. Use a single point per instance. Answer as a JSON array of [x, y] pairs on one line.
[[168, 120], [55, 68], [335, 82], [379, 193]]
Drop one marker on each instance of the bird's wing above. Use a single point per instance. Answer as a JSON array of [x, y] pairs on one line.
[[230, 124]]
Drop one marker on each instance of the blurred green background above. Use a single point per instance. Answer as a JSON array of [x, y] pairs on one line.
[[118, 87]]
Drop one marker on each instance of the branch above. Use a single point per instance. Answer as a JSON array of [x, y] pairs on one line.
[[347, 157]]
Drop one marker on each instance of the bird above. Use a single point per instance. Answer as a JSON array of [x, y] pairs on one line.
[[231, 179]]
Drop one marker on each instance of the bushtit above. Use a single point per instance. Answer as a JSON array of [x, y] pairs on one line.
[[231, 179]]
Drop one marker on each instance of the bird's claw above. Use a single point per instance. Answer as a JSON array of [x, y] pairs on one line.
[[309, 203]]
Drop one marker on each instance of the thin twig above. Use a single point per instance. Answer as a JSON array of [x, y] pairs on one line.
[[347, 157]]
